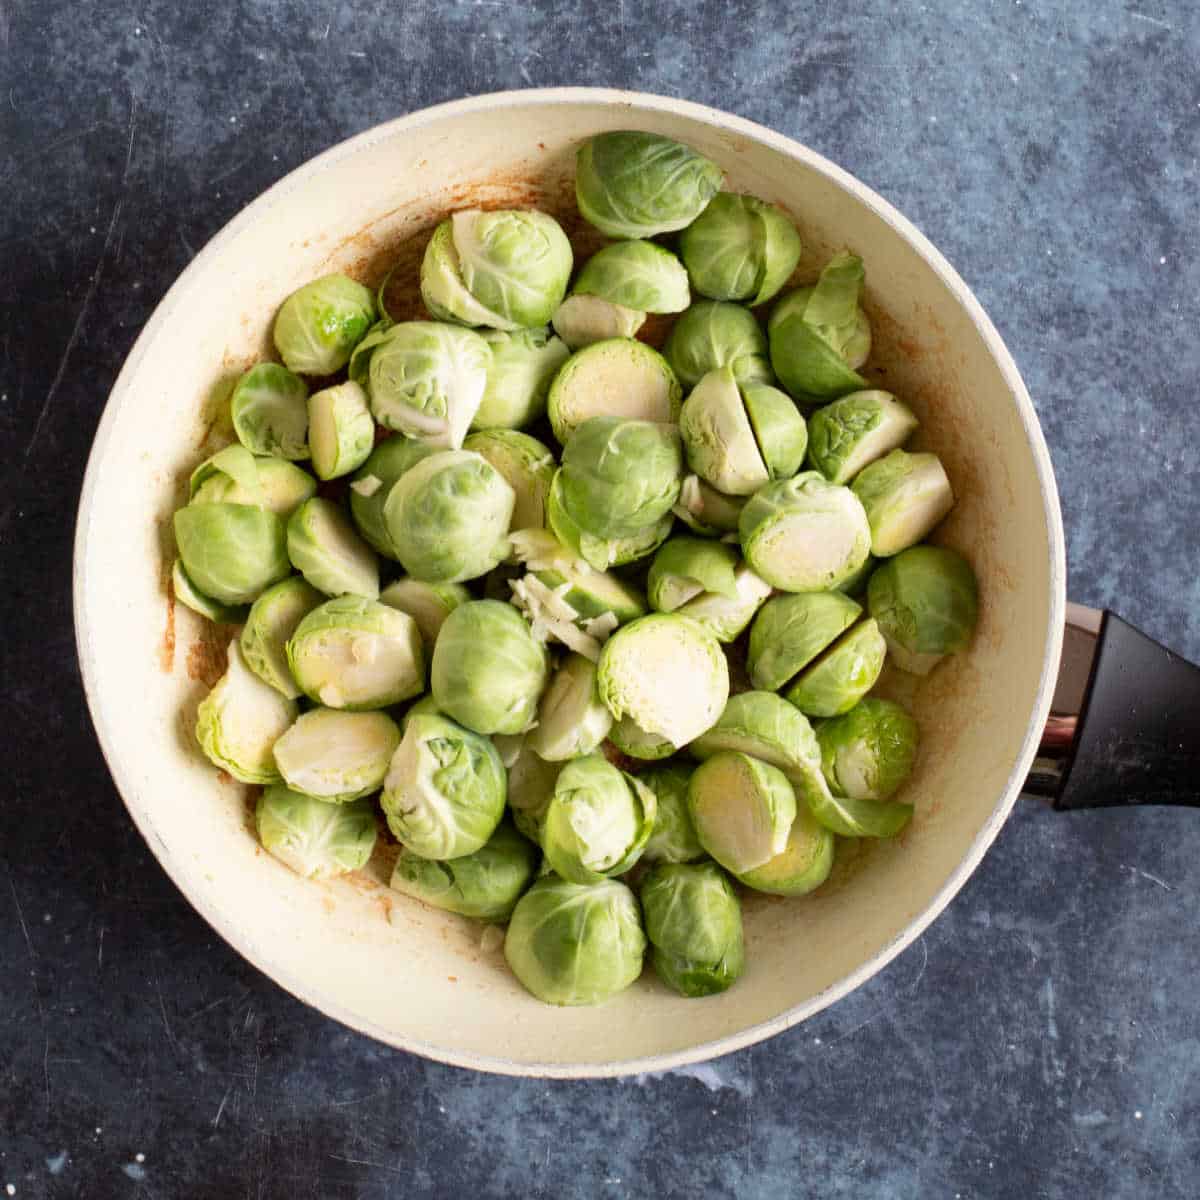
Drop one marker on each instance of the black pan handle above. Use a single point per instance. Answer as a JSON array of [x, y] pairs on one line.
[[1124, 727]]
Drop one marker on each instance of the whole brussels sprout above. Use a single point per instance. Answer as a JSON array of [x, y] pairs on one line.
[[636, 185], [790, 631], [485, 885], [571, 719], [852, 432], [725, 617], [189, 595], [337, 756], [324, 548], [319, 325], [315, 839], [713, 334], [573, 944], [269, 413], [740, 248], [706, 511], [373, 483], [523, 363], [820, 336], [231, 552], [638, 275], [694, 925], [842, 675], [904, 497], [869, 752], [582, 320], [429, 604], [531, 781], [802, 866], [448, 517], [598, 552], [673, 839], [926, 601], [804, 534], [444, 792], [527, 466], [686, 567], [272, 620], [632, 740], [341, 433], [488, 669], [718, 437]]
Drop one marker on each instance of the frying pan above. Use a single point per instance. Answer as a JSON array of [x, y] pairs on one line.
[[427, 981]]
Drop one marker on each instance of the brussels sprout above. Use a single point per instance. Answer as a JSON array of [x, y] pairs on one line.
[[485, 885], [601, 553], [843, 437], [591, 593], [842, 675], [686, 567], [527, 466], [273, 619], [926, 601], [861, 818], [739, 248], [429, 604], [597, 822], [804, 534], [316, 839], [619, 477], [582, 320], [638, 275], [855, 585], [667, 673], [505, 269], [717, 435], [324, 548], [531, 781], [742, 809], [448, 517], [239, 723], [320, 324], [268, 410], [187, 593], [445, 789], [705, 510], [819, 336], [636, 185], [725, 617], [341, 433], [373, 483], [802, 866], [674, 837], [791, 631], [694, 926], [869, 752], [488, 668], [573, 944], [337, 756], [235, 476], [572, 719], [711, 335], [615, 378], [355, 653], [778, 426], [904, 496], [631, 739], [231, 552], [522, 365]]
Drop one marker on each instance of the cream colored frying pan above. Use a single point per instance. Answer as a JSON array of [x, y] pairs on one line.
[[427, 981]]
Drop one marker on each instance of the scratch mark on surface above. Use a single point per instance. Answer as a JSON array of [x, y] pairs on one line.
[[221, 1107], [162, 1008], [921, 972], [100, 951], [358, 1099], [1139, 16], [20, 914], [210, 1007], [366, 1162], [1166, 887]]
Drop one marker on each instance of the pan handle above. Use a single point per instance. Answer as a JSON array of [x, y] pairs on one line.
[[1124, 727]]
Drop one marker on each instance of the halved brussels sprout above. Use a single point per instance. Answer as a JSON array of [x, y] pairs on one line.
[[615, 378], [528, 468], [373, 483], [523, 364], [600, 553], [268, 410], [316, 839], [319, 325], [717, 435], [273, 619], [572, 720], [235, 476], [582, 320], [742, 809], [188, 594], [820, 336], [779, 428], [803, 864], [488, 668], [869, 752], [429, 604], [443, 290], [324, 548], [740, 248], [638, 275], [355, 653], [725, 617], [448, 517], [791, 631], [861, 818], [341, 433], [573, 944], [694, 926], [531, 781], [231, 552], [673, 839], [904, 496], [337, 756], [597, 822], [239, 723], [805, 534], [842, 675], [485, 885], [926, 601], [686, 567], [850, 433], [445, 788], [632, 740], [713, 334], [636, 185], [668, 674], [706, 511]]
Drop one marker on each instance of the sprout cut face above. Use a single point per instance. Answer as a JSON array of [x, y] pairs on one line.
[[337, 756], [905, 496], [712, 335], [269, 414], [720, 443], [319, 325], [273, 619], [868, 753], [572, 719], [341, 433], [315, 839], [582, 320], [324, 548], [852, 432], [526, 465], [843, 675], [636, 275], [791, 631], [802, 866], [674, 837], [231, 552], [523, 364]]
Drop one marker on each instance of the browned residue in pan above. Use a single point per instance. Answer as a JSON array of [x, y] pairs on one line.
[[166, 649], [208, 654]]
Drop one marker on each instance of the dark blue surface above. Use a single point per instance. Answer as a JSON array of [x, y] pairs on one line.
[[1043, 1039]]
